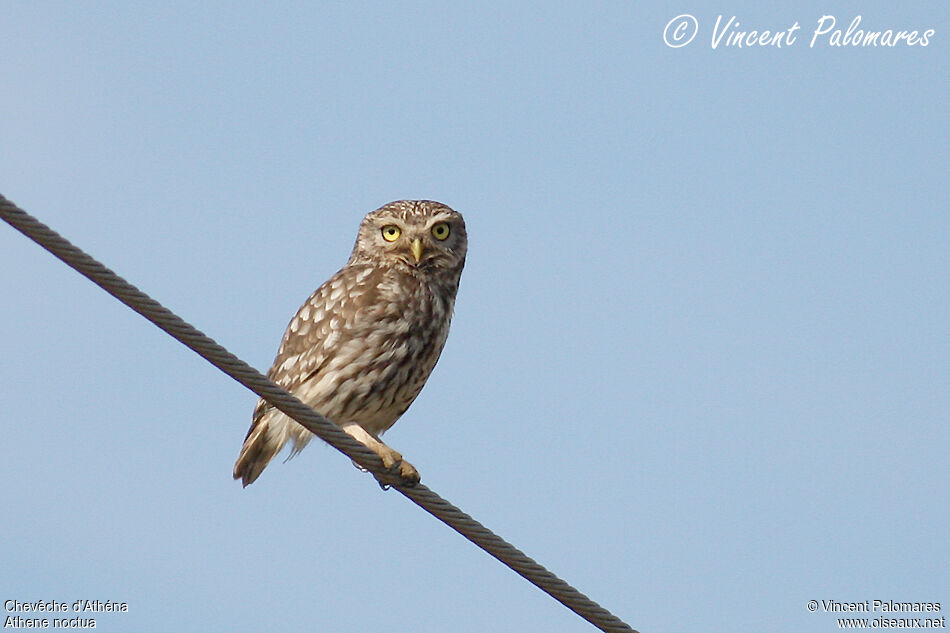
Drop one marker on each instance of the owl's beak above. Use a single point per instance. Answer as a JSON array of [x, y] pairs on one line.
[[416, 249]]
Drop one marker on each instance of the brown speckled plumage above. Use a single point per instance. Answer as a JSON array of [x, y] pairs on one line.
[[362, 346]]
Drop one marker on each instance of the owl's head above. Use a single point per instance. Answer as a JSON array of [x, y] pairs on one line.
[[421, 234]]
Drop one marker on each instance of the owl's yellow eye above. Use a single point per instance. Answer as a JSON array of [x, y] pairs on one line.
[[391, 232], [440, 231]]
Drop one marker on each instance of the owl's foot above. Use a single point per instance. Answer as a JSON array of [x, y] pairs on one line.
[[399, 472]]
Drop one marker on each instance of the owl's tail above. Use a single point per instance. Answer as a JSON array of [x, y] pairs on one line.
[[268, 434]]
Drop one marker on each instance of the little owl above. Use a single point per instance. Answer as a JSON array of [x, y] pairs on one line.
[[361, 347]]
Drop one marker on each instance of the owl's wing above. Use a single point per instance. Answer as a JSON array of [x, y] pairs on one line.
[[314, 336]]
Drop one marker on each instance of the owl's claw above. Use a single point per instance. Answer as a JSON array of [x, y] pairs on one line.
[[399, 471], [406, 476], [410, 476]]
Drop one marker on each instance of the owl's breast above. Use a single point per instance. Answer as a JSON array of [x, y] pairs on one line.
[[386, 347]]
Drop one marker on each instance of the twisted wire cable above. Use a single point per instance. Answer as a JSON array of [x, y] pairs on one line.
[[317, 424]]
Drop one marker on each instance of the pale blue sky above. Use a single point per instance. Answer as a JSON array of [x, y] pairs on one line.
[[699, 363]]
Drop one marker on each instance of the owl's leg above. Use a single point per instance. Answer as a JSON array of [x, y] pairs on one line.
[[392, 460]]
